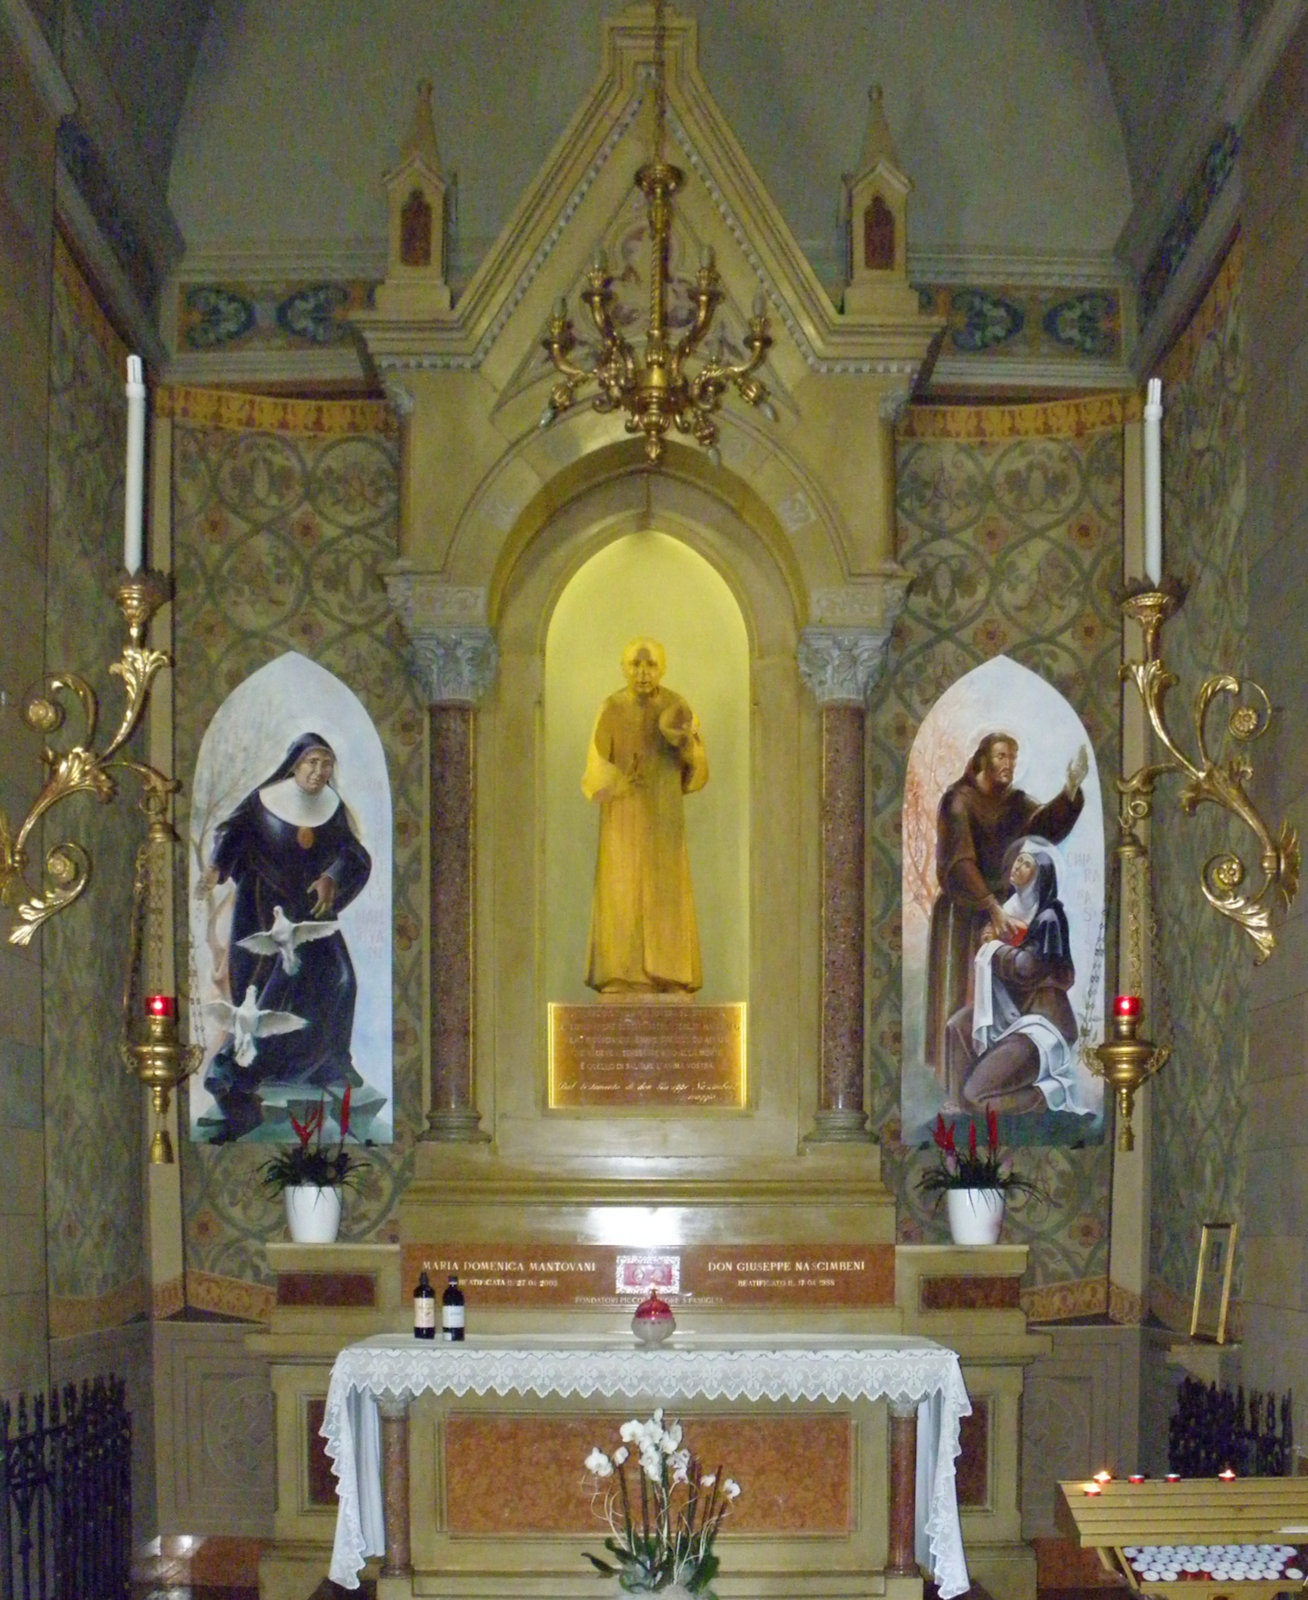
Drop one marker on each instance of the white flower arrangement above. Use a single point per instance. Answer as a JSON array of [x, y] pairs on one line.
[[680, 1510]]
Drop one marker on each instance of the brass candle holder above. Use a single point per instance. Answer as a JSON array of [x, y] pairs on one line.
[[1126, 1061], [1211, 781], [159, 1059], [82, 769]]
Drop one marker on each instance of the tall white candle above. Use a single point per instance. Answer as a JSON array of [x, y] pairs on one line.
[[1153, 481], [134, 487]]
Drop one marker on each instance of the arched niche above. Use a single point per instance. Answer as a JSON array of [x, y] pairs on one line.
[[612, 532], [651, 584]]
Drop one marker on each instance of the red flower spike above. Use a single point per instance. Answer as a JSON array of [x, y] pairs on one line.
[[992, 1128], [971, 1139], [941, 1133], [345, 1109]]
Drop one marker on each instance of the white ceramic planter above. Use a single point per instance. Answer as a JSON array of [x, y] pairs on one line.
[[975, 1215], [313, 1215]]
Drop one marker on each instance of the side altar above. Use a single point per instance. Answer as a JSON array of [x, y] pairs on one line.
[[493, 1494], [648, 904]]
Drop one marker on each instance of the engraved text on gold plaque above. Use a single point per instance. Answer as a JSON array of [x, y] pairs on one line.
[[628, 1057]]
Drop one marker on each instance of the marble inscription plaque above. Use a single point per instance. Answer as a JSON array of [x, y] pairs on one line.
[[629, 1057], [540, 1273]]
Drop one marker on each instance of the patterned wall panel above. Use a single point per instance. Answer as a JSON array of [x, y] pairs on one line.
[[284, 512], [93, 1111], [1199, 1100], [1078, 1415], [1010, 524], [215, 1433]]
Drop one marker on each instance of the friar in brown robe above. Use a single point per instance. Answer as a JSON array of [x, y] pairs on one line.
[[980, 816]]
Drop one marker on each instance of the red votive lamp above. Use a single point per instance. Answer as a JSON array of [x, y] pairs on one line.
[[1127, 1005], [1137, 1477], [160, 1005], [1173, 1477]]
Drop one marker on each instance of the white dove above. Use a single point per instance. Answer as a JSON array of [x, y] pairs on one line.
[[283, 938], [246, 1023]]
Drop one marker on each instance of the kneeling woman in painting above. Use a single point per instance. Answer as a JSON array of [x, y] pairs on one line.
[[1012, 1050]]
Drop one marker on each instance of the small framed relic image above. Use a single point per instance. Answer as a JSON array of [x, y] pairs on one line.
[[1212, 1282], [639, 1274]]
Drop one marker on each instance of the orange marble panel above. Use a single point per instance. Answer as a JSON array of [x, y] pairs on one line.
[[326, 1289], [544, 1274], [970, 1294], [972, 1471], [518, 1474], [321, 1478]]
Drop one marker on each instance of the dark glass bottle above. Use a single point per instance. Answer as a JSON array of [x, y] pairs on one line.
[[424, 1309], [453, 1316]]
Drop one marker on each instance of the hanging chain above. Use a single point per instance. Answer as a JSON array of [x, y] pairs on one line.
[[660, 79], [1158, 972]]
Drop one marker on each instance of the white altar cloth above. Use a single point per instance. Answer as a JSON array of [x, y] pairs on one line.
[[797, 1367]]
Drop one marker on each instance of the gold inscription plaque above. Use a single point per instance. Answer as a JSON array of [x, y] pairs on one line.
[[629, 1057]]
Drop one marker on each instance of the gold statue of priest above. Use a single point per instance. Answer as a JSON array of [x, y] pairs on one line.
[[645, 755]]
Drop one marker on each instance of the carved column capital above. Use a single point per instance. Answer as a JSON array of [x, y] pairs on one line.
[[454, 666], [841, 666], [453, 655]]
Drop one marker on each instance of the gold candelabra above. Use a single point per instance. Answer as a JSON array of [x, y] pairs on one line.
[[658, 391], [159, 1060], [1127, 1061], [81, 769]]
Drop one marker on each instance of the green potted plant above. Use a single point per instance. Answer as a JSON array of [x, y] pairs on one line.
[[311, 1174], [976, 1184]]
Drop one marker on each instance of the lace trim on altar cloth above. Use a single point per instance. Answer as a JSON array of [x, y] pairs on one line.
[[905, 1370]]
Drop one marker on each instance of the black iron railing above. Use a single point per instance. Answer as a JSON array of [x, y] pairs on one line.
[[1213, 1429], [66, 1495]]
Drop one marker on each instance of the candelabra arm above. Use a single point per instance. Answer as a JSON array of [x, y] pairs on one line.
[[708, 296], [80, 769], [1212, 781]]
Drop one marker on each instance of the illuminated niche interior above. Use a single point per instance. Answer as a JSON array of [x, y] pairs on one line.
[[648, 583]]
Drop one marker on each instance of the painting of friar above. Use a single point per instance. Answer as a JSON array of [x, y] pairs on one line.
[[1003, 894], [281, 873]]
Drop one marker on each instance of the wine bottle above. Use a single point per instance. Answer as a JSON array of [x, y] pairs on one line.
[[424, 1309], [453, 1315]]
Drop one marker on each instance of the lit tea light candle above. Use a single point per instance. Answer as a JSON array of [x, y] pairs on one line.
[[1137, 1477], [1173, 1477], [1227, 1473], [161, 1005], [1103, 1476], [1092, 1488]]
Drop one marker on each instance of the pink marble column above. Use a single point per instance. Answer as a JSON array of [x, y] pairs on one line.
[[840, 665], [454, 658], [453, 1115], [901, 1558], [395, 1486], [840, 1102]]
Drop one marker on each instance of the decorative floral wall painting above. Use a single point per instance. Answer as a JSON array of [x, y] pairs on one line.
[[1003, 897], [290, 912]]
